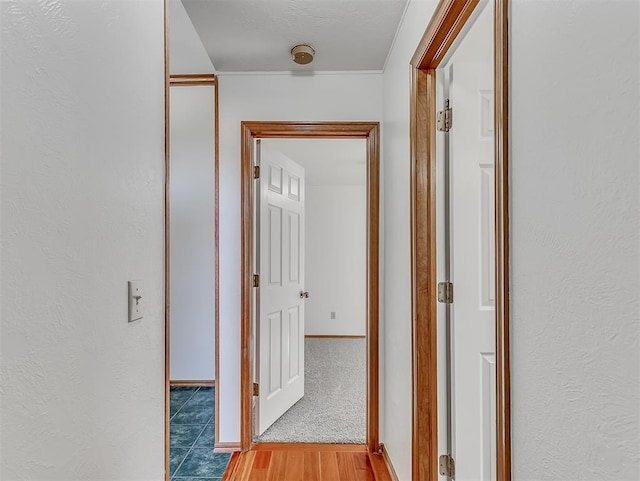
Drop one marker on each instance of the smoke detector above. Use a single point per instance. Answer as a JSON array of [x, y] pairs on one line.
[[303, 54]]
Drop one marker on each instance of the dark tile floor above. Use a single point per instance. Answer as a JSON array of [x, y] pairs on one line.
[[192, 436]]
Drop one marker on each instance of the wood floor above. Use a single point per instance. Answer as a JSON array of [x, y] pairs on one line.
[[307, 462]]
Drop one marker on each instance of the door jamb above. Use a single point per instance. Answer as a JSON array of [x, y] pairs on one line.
[[364, 130], [445, 25]]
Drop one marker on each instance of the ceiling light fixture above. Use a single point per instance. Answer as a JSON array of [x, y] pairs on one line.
[[303, 54]]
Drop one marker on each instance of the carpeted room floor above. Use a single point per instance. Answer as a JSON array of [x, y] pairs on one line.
[[333, 409]]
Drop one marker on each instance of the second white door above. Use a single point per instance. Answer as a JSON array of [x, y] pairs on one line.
[[468, 79], [280, 326]]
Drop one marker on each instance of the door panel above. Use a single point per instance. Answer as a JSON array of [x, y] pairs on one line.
[[294, 241], [469, 80], [488, 382], [487, 237], [294, 336], [275, 352], [274, 225], [280, 324]]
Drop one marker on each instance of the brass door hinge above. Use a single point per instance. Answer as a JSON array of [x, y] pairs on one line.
[[256, 280], [256, 389], [445, 292], [256, 171], [447, 465], [444, 118]]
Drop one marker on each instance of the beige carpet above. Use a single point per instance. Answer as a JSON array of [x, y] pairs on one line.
[[333, 409]]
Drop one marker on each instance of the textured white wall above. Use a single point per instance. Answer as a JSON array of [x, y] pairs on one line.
[[192, 246], [397, 252], [328, 97], [335, 270], [81, 213], [575, 240], [186, 51]]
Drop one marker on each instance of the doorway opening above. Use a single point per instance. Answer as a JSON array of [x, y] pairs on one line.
[[191, 280], [460, 244], [309, 316], [285, 179]]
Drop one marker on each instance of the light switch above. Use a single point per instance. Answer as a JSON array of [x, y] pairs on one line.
[[135, 300]]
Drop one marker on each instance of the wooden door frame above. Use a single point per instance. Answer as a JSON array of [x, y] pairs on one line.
[[310, 130], [186, 80], [447, 22]]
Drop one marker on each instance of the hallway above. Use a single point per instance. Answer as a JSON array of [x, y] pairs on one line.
[[83, 211]]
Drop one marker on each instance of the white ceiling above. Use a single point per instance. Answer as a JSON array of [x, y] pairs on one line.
[[257, 35], [326, 161]]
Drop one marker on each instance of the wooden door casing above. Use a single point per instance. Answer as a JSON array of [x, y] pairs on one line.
[[250, 131]]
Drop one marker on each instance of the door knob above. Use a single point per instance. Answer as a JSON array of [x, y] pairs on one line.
[[304, 295]]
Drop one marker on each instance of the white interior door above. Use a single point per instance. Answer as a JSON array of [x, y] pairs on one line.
[[280, 325], [472, 217]]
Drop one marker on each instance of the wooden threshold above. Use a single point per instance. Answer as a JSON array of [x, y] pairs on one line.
[[308, 462], [361, 448]]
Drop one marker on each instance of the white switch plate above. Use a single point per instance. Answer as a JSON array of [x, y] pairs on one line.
[[135, 300]]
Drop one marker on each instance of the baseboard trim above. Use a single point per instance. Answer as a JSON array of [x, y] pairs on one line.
[[226, 447], [388, 463], [192, 383], [331, 336]]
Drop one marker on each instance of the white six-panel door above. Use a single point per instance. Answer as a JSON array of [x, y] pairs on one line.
[[280, 326], [471, 142]]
